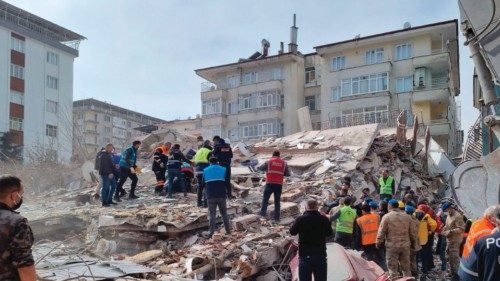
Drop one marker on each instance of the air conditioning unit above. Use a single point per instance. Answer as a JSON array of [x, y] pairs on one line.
[[420, 77]]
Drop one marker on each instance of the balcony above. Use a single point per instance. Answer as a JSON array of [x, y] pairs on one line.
[[436, 90], [437, 57], [439, 127]]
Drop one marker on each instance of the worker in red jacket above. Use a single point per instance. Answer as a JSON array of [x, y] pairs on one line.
[[276, 169]]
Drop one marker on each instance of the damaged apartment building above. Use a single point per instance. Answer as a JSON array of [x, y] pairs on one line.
[[368, 79]]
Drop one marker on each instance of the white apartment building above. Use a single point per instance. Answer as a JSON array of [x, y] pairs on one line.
[[36, 83], [364, 80], [97, 123]]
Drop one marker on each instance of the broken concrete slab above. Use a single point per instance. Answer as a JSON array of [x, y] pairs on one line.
[[145, 256]]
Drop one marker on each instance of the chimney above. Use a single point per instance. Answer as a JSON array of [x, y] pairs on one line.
[[282, 48], [265, 48], [292, 47]]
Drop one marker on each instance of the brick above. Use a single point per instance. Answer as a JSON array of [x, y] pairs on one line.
[[242, 223]]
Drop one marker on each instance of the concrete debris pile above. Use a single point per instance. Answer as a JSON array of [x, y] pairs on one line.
[[166, 239], [156, 138]]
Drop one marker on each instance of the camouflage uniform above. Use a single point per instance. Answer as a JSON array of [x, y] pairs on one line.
[[414, 249], [16, 239], [453, 230], [397, 232]]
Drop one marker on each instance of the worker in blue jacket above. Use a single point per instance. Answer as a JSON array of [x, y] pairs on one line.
[[214, 177], [127, 170], [224, 154]]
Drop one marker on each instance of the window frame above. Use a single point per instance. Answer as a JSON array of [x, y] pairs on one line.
[[337, 63], [17, 45], [51, 130], [409, 49], [310, 100], [16, 124], [310, 71], [364, 84], [372, 56], [404, 80], [52, 106], [52, 58], [52, 82], [16, 97], [17, 71]]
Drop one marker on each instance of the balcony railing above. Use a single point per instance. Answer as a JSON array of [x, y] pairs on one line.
[[208, 86], [387, 119], [435, 83]]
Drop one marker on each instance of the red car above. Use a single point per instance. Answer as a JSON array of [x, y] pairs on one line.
[[346, 265]]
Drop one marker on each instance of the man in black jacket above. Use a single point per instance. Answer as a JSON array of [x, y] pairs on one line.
[[313, 228], [224, 154], [174, 165], [106, 171]]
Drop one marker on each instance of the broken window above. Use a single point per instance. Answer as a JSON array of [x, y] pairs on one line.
[[310, 102]]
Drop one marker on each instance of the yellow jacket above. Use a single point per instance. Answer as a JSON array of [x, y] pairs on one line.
[[426, 225]]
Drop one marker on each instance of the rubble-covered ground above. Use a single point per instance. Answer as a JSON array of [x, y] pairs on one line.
[[156, 238]]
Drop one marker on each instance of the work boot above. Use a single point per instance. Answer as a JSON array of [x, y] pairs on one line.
[[133, 196], [117, 199], [112, 203]]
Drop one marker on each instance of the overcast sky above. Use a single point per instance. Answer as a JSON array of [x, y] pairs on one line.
[[140, 54]]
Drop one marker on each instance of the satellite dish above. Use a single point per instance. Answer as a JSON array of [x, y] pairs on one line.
[[406, 25]]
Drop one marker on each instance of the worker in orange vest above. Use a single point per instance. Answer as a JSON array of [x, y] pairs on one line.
[[276, 169], [479, 229], [366, 230]]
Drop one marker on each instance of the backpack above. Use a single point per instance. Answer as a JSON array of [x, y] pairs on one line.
[[97, 161]]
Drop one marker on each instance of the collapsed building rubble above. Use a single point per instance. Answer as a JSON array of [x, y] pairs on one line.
[[159, 238]]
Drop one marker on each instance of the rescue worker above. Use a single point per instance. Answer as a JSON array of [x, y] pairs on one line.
[[276, 169], [430, 241], [410, 210], [397, 234], [106, 171], [16, 237], [174, 165], [426, 227], [441, 243], [368, 225], [313, 228], [159, 168], [223, 152], [480, 228], [127, 170], [386, 185], [345, 218], [201, 162], [383, 209], [482, 263], [453, 230], [215, 188], [166, 148], [200, 142]]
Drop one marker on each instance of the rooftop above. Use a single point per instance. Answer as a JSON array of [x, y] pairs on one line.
[[18, 17], [105, 105]]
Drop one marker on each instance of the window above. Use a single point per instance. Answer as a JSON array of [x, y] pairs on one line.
[[267, 99], [335, 94], [374, 56], [16, 71], [232, 107], [17, 44], [250, 78], [16, 97], [52, 106], [52, 58], [52, 82], [211, 107], [338, 63], [403, 51], [310, 102], [310, 75], [51, 131], [233, 81], [364, 84], [107, 118], [15, 124], [367, 115], [276, 73], [245, 102], [404, 84]]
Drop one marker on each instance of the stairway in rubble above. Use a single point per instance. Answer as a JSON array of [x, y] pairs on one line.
[[474, 146]]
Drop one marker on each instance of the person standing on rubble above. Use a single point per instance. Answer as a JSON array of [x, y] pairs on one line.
[[16, 237], [480, 228], [223, 152], [482, 263], [410, 210], [276, 169], [108, 180], [345, 218], [386, 185], [313, 228], [453, 230], [426, 228], [159, 168], [397, 233], [201, 161], [214, 177], [174, 166], [367, 227], [127, 170]]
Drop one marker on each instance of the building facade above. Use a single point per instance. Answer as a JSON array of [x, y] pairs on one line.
[[97, 123], [36, 84], [364, 80], [190, 126]]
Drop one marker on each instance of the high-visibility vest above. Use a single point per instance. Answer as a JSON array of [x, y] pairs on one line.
[[345, 222], [369, 227], [275, 170], [386, 187], [478, 229], [201, 155]]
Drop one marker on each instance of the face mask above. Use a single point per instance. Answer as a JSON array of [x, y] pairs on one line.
[[18, 204]]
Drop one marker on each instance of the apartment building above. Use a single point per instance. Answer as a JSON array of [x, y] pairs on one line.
[[97, 123], [363, 80], [36, 84], [189, 126], [371, 79]]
